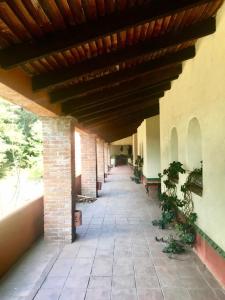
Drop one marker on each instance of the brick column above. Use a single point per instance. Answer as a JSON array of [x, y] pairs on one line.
[[109, 158], [106, 157], [88, 165], [100, 160], [59, 172]]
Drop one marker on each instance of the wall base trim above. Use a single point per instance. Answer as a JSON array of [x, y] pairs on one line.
[[211, 255]]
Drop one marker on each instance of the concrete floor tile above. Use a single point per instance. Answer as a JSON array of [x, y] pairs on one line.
[[150, 294], [54, 282], [123, 282], [86, 251], [72, 294], [77, 282], [200, 294], [100, 282], [124, 294], [123, 270], [48, 294], [176, 294], [144, 280], [98, 294]]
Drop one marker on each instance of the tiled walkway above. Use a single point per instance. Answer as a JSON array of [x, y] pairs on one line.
[[116, 256]]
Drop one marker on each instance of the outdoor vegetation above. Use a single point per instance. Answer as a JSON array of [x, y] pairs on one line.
[[178, 212], [20, 152], [138, 172]]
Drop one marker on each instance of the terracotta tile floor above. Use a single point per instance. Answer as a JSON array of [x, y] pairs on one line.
[[116, 256]]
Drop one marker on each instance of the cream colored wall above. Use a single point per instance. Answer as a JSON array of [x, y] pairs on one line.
[[149, 146], [200, 93], [115, 150], [153, 147], [125, 141], [134, 147]]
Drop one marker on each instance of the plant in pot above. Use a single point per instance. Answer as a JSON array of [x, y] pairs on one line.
[[138, 169]]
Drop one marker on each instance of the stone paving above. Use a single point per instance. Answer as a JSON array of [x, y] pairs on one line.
[[116, 256]]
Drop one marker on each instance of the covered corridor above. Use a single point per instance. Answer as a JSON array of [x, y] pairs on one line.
[[116, 256]]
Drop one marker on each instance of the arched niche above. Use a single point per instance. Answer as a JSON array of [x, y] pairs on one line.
[[174, 145], [194, 144]]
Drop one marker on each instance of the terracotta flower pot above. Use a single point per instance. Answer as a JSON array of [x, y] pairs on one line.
[[77, 218], [99, 185]]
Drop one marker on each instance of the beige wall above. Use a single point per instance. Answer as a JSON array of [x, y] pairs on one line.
[[199, 94], [125, 141], [18, 231], [148, 137], [115, 150], [134, 147]]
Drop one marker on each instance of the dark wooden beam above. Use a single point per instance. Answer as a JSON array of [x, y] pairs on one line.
[[86, 32], [120, 100], [152, 79], [113, 131], [132, 107], [115, 78], [112, 100], [99, 63], [135, 108]]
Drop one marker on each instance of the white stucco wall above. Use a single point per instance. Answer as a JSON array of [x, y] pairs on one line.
[[148, 136], [200, 93]]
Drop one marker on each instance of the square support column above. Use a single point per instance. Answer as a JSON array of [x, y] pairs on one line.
[[59, 174], [88, 165], [134, 147], [106, 157], [100, 160]]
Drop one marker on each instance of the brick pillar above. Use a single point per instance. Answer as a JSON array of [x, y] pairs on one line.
[[106, 157], [100, 160], [109, 157], [88, 165], [59, 172]]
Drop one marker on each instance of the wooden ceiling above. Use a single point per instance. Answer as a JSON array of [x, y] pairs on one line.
[[107, 62]]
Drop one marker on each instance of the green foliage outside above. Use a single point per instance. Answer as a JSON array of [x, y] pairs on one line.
[[20, 141]]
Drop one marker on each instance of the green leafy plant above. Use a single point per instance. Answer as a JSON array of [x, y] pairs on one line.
[[138, 173], [178, 212], [169, 201], [174, 247]]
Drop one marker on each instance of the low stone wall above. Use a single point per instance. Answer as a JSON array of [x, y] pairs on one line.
[[18, 231]]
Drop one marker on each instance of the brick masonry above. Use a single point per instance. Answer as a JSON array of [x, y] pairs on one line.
[[88, 165], [100, 160], [106, 157], [59, 173]]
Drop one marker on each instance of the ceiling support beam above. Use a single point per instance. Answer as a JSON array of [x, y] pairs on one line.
[[152, 80], [87, 32], [98, 64], [126, 75], [133, 109], [120, 100]]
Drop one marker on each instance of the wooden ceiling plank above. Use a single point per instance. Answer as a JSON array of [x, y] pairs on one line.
[[122, 101], [152, 79], [87, 32], [104, 61], [110, 100], [121, 76], [134, 108]]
